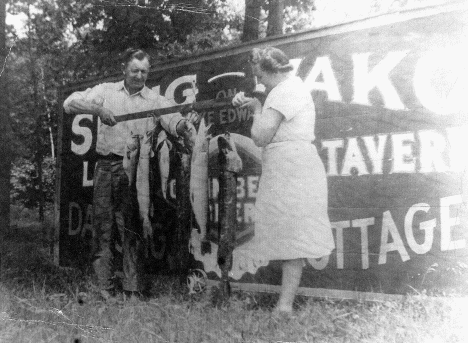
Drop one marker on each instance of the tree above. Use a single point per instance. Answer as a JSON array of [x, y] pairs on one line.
[[36, 58], [275, 17], [251, 20], [165, 28], [4, 136], [69, 40]]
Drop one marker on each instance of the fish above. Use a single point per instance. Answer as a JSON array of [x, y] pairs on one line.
[[230, 164], [184, 214], [199, 182], [163, 148], [143, 192], [229, 153], [131, 157]]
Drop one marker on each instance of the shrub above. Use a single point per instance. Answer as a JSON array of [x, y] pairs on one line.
[[25, 182]]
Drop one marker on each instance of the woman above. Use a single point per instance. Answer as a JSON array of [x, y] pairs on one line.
[[291, 219]]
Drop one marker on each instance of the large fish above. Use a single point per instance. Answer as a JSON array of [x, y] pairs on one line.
[[163, 147], [199, 183], [130, 160], [229, 164], [228, 148], [181, 251], [143, 191]]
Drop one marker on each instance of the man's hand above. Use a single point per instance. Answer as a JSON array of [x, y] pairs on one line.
[[193, 117], [107, 116], [187, 131]]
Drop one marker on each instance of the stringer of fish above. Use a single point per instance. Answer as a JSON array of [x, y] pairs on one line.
[[163, 149], [199, 182], [131, 156], [143, 191]]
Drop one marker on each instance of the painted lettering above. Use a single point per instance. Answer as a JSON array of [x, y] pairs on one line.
[[209, 118], [376, 151], [240, 187], [432, 146], [449, 205], [249, 212], [403, 156], [223, 116], [353, 163], [242, 114], [442, 67], [339, 227], [427, 227], [390, 231], [252, 185], [221, 94], [332, 146], [322, 66], [363, 225], [75, 219], [88, 222], [86, 182], [378, 77], [232, 115], [189, 93], [82, 131]]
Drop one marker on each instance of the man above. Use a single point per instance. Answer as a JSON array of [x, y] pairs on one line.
[[113, 207]]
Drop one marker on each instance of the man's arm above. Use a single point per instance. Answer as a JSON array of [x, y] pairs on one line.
[[78, 103], [78, 106], [175, 123]]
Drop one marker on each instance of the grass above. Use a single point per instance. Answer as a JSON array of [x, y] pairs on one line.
[[40, 302]]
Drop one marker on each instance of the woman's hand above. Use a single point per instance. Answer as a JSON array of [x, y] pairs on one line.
[[242, 101]]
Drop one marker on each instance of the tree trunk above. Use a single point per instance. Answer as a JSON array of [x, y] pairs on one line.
[[252, 20], [38, 108], [5, 161], [48, 110], [39, 159], [275, 18]]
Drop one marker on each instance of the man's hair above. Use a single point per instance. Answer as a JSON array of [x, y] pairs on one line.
[[271, 60], [138, 54]]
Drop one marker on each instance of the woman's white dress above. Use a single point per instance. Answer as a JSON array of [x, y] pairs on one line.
[[291, 217]]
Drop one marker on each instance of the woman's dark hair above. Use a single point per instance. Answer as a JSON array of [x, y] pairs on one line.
[[131, 54], [271, 60]]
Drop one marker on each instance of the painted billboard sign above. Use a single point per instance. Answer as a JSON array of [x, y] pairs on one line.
[[391, 128]]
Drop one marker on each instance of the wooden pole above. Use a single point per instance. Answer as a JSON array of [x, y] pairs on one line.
[[199, 106]]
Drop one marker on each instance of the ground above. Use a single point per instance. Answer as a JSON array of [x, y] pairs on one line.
[[40, 302]]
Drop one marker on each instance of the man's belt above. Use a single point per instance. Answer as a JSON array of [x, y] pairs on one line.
[[111, 157]]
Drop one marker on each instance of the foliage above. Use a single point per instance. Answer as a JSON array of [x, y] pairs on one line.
[[70, 40], [25, 183]]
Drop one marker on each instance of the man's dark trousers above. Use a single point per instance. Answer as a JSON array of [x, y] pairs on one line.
[[115, 212]]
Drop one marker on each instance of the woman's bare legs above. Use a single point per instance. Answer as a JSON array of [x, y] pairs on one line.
[[292, 272]]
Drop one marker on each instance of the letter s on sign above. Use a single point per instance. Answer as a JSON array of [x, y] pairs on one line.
[[85, 132]]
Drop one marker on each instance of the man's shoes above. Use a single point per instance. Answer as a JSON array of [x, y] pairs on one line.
[[136, 295], [108, 294]]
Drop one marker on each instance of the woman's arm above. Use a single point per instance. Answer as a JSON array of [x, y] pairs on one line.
[[265, 125]]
